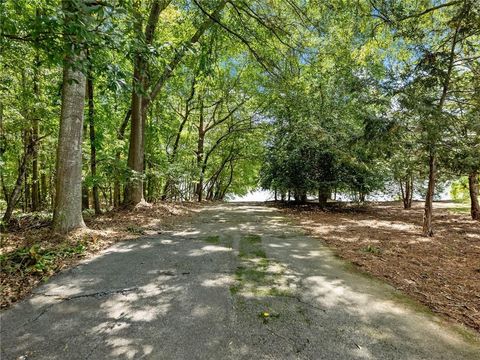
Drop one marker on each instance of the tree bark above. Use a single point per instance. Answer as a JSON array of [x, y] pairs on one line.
[[200, 150], [473, 189], [324, 194], [230, 179], [26, 188], [140, 103], [407, 192], [35, 131], [93, 146], [43, 187], [134, 191], [17, 189], [68, 185], [427, 216], [117, 196], [85, 197]]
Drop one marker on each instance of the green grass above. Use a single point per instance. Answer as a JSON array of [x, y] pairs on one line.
[[252, 239], [255, 276], [251, 247], [219, 240], [212, 239], [460, 210]]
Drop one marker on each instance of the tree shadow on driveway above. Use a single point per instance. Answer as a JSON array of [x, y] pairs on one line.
[[171, 297]]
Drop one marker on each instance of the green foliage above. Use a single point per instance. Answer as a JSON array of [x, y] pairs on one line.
[[37, 260], [299, 97], [459, 190], [372, 249]]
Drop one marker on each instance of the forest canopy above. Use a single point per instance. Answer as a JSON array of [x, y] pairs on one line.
[[125, 102]]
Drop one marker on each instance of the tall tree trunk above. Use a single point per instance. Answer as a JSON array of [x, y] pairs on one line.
[[43, 187], [17, 189], [324, 194], [85, 197], [407, 192], [117, 189], [35, 131], [200, 150], [4, 188], [68, 185], [26, 189], [473, 189], [93, 148], [134, 192], [27, 141], [427, 216], [230, 179]]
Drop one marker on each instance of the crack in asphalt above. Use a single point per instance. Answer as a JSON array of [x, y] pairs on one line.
[[98, 294]]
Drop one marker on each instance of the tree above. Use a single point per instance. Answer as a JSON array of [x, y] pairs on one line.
[[68, 185], [140, 103]]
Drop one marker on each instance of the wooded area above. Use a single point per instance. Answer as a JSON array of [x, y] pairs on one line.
[[119, 103]]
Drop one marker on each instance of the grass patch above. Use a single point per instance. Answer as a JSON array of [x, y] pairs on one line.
[[275, 291], [212, 239], [460, 210], [255, 275], [252, 239], [217, 240], [251, 247]]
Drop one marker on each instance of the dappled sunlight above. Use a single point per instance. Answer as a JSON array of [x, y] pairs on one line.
[[109, 329], [208, 249], [386, 241], [279, 245], [168, 242], [311, 254], [193, 291], [67, 290], [219, 281], [128, 348], [335, 293], [120, 249], [186, 233]]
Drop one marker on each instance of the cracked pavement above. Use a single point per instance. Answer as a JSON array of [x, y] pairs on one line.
[[185, 295]]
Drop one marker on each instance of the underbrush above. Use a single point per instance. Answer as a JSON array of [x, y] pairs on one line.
[[37, 259]]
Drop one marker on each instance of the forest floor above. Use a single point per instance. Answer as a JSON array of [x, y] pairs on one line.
[[384, 240], [235, 281], [30, 254]]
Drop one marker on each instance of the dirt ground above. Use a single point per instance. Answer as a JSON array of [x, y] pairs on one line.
[[30, 254], [442, 272]]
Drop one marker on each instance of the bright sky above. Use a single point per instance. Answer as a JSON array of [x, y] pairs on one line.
[[264, 195], [256, 195]]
